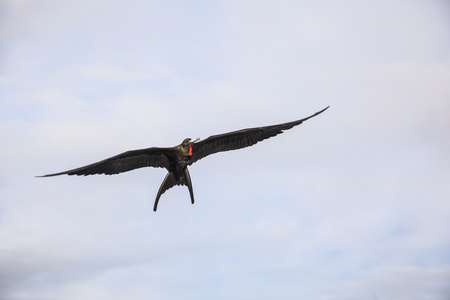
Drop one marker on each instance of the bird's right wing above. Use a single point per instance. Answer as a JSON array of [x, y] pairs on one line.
[[241, 138], [127, 161]]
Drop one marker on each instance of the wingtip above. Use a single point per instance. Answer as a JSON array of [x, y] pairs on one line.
[[40, 176], [58, 174], [317, 113], [48, 175], [324, 109]]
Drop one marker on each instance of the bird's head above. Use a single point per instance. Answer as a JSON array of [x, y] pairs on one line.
[[189, 141], [186, 145]]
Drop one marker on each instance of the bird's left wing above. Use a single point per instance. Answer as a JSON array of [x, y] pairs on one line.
[[127, 161], [241, 138]]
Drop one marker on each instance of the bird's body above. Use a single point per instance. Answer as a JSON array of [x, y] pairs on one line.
[[177, 159]]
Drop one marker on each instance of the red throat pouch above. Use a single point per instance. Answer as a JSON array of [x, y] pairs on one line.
[[190, 149]]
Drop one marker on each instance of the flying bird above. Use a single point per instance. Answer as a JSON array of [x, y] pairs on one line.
[[177, 159]]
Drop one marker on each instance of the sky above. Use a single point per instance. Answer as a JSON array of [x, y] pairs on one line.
[[352, 204]]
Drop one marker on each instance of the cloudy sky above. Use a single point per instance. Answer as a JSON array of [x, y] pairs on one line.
[[353, 204]]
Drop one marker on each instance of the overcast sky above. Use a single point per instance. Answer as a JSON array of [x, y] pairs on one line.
[[352, 204]]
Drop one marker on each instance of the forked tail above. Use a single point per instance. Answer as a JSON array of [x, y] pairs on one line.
[[170, 181]]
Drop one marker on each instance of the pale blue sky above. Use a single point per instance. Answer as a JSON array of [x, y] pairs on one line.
[[353, 204]]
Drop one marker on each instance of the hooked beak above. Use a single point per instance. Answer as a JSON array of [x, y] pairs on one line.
[[194, 140]]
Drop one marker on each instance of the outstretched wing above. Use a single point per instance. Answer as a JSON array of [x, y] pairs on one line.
[[127, 161], [241, 138]]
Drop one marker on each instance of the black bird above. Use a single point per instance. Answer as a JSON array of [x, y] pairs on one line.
[[176, 159]]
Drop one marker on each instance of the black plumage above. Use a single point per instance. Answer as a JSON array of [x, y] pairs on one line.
[[177, 159]]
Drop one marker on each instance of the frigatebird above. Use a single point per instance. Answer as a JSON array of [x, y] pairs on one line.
[[177, 159]]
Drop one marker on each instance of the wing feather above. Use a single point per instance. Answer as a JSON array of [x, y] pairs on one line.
[[241, 138], [127, 161]]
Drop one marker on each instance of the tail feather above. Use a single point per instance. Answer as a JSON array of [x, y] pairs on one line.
[[187, 181], [170, 181]]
